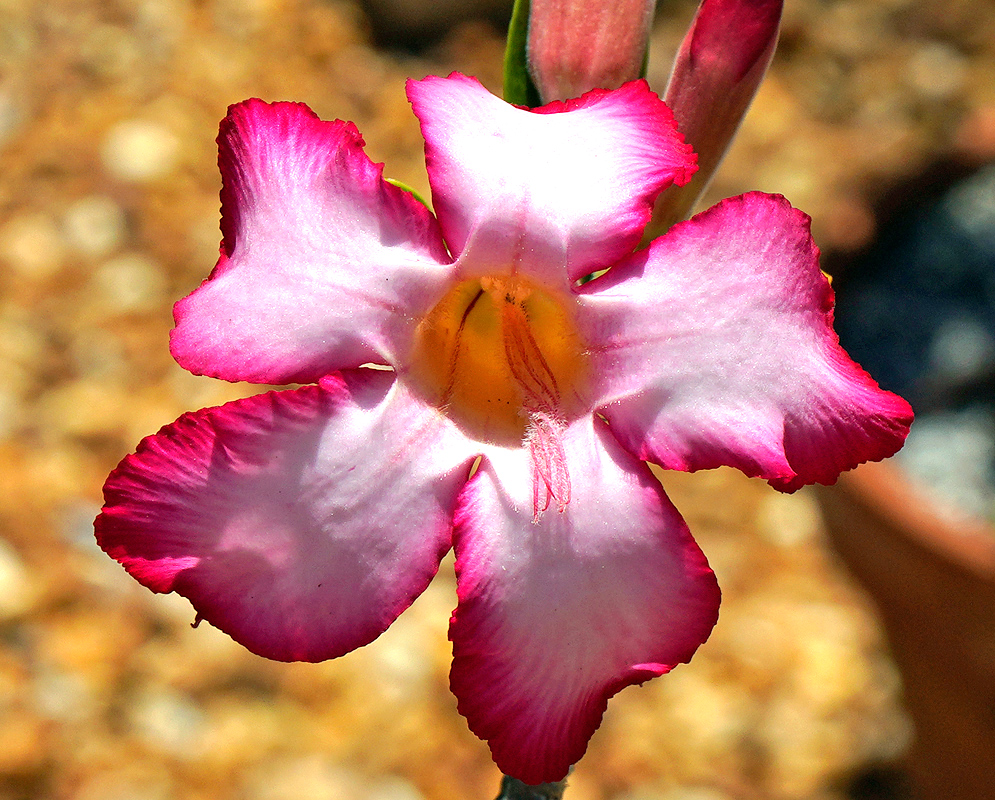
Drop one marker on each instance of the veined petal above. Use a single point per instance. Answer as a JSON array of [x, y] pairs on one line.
[[302, 522], [322, 262], [566, 185], [557, 616], [715, 347]]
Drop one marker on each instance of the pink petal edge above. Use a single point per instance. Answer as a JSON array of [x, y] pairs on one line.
[[557, 616], [299, 522], [323, 265], [735, 317], [566, 185]]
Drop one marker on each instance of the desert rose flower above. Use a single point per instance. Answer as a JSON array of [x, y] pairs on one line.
[[302, 522]]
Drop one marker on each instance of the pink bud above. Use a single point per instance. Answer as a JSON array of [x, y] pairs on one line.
[[718, 69], [578, 45]]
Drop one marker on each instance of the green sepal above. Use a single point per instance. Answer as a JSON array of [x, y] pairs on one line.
[[518, 86], [514, 789], [405, 188]]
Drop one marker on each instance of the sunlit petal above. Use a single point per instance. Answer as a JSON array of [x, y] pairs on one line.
[[558, 615], [715, 347], [554, 193], [322, 264], [302, 522]]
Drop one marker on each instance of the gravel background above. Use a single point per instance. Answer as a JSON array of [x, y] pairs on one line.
[[109, 212]]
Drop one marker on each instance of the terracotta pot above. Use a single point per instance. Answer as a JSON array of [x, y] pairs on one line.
[[933, 581]]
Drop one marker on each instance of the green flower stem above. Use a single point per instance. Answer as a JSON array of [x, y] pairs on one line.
[[518, 86], [514, 789]]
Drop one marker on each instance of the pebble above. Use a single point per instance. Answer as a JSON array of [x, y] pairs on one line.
[[82, 408], [393, 788], [23, 342], [24, 743], [415, 22], [243, 18], [795, 742], [32, 244], [65, 697], [692, 793], [789, 520], [125, 785], [168, 721], [75, 524], [674, 793], [18, 589], [971, 208], [712, 714], [95, 225], [962, 349], [140, 151], [131, 282], [827, 679], [12, 414], [96, 354], [361, 70], [109, 53], [312, 777], [937, 70], [12, 115]]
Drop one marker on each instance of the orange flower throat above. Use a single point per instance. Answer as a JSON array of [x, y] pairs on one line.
[[502, 358]]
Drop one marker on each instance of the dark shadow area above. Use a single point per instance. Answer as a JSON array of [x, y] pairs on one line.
[[878, 782], [916, 308], [416, 25]]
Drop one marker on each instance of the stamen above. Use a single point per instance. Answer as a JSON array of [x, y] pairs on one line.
[[550, 475], [540, 389], [541, 402], [454, 356]]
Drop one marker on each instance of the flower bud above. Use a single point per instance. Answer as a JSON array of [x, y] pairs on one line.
[[718, 69], [578, 45]]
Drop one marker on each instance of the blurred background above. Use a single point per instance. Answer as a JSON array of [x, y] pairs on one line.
[[109, 213]]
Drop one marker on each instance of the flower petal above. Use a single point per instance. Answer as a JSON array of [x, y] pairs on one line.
[[557, 616], [321, 261], [570, 184], [715, 347], [302, 522]]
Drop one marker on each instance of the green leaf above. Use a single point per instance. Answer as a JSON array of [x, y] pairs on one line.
[[518, 86], [405, 188]]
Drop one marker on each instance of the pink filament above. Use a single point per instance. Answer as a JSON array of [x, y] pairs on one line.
[[544, 436]]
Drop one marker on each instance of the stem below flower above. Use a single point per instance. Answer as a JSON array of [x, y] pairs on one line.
[[514, 789]]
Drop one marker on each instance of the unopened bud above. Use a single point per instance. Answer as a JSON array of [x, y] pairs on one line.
[[718, 69], [578, 45]]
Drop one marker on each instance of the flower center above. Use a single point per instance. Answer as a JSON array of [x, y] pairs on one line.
[[496, 353], [502, 359]]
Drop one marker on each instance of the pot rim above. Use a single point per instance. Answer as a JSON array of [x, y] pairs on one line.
[[884, 491]]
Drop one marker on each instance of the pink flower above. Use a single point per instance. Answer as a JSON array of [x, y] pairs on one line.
[[302, 522]]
